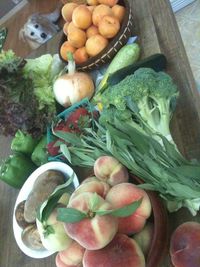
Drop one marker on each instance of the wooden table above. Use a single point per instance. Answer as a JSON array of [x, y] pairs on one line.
[[155, 24]]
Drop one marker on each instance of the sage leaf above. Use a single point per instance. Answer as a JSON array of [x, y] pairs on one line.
[[70, 215], [64, 149], [121, 212]]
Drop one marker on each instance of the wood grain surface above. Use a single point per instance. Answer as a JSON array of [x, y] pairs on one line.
[[155, 24]]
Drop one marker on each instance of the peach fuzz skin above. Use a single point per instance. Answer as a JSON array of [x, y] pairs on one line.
[[121, 252], [101, 188], [93, 232], [73, 255], [110, 170], [123, 194], [185, 245]]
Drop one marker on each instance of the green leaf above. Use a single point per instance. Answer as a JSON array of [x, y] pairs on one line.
[[48, 230], [94, 202], [70, 215], [48, 206], [64, 149], [121, 212]]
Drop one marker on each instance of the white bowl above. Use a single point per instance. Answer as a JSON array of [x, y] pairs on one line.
[[23, 194]]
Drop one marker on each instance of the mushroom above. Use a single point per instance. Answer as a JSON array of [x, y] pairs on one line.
[[31, 238], [19, 215], [43, 187]]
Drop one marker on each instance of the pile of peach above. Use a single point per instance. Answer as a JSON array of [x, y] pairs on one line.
[[106, 240], [90, 27]]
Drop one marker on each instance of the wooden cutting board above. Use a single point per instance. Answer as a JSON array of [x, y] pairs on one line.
[[155, 24]]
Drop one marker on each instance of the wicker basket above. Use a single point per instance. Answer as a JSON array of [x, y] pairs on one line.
[[114, 45]]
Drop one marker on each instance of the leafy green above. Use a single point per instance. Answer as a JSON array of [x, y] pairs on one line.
[[26, 95]]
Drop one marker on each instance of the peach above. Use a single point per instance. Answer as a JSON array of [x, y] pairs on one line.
[[80, 55], [58, 261], [122, 251], [92, 30], [101, 188], [66, 47], [90, 179], [144, 237], [67, 11], [108, 2], [123, 194], [73, 255], [94, 231], [185, 245], [76, 37], [99, 12], [119, 12], [92, 2], [110, 170], [82, 17], [109, 26], [95, 44]]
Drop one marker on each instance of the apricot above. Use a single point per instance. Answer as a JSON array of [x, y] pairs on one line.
[[66, 47], [94, 231], [110, 170], [109, 26], [124, 194], [185, 245], [101, 188], [71, 27], [122, 251], [119, 12], [82, 17], [67, 11], [108, 2], [65, 28], [91, 31], [92, 2], [99, 12], [76, 37], [95, 44], [80, 55], [73, 255]]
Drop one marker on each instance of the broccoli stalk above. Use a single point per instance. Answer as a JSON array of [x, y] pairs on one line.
[[152, 96]]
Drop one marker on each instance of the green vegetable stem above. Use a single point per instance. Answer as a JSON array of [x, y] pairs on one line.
[[16, 169], [23, 143], [39, 155]]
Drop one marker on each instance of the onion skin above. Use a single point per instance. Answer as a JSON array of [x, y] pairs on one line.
[[72, 88]]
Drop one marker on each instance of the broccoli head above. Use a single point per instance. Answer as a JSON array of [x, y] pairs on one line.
[[154, 94]]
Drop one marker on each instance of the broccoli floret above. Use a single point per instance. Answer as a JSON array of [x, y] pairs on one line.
[[154, 94]]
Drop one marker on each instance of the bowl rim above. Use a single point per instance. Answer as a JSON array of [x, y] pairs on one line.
[[23, 194], [161, 227], [94, 61]]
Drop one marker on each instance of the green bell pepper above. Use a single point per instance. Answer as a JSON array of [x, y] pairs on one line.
[[23, 143], [39, 155], [16, 169]]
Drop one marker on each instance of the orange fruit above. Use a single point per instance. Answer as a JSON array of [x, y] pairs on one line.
[[119, 12], [92, 30], [95, 44], [66, 47], [109, 26], [65, 27], [99, 12], [67, 11], [108, 2], [92, 2], [81, 55], [82, 17], [76, 37]]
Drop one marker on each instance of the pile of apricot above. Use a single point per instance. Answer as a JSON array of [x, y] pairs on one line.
[[89, 27]]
